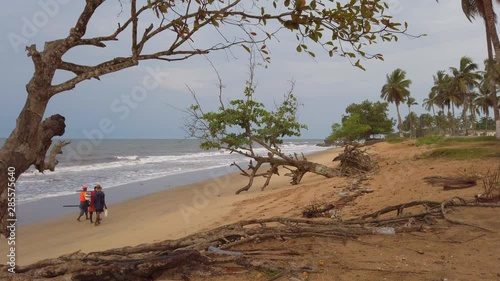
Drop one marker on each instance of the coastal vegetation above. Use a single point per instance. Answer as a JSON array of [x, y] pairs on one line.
[[360, 122], [464, 88]]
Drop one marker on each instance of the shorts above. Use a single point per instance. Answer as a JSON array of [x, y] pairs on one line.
[[99, 210]]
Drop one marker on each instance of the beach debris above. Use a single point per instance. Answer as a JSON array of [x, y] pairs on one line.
[[354, 161], [224, 252], [317, 210], [384, 231], [452, 183], [333, 210], [491, 186]]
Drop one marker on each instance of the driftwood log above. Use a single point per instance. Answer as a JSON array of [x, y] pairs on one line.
[[452, 183]]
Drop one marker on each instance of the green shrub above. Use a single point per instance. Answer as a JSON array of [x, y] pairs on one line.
[[460, 153], [430, 140]]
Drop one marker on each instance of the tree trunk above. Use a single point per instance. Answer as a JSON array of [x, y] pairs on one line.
[[409, 120], [301, 168], [27, 145], [453, 120], [399, 122], [435, 119], [318, 169], [492, 82], [486, 125], [473, 121], [464, 114], [489, 17]]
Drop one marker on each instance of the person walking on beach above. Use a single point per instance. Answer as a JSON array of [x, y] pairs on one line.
[[83, 204], [99, 203], [92, 204]]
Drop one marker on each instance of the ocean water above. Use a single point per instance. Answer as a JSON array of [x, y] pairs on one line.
[[112, 163]]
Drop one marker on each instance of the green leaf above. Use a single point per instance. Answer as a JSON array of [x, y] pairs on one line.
[[214, 22], [299, 49], [247, 48]]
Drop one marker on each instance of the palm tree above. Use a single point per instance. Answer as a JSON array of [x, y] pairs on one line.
[[395, 91], [484, 8], [445, 97], [462, 81], [484, 101], [474, 109], [410, 101], [429, 104]]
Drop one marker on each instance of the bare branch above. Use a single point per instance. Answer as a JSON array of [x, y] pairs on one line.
[[94, 72], [80, 27]]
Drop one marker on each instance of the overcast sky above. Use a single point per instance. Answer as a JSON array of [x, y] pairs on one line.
[[324, 85]]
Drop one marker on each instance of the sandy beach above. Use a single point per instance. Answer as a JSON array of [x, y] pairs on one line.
[[452, 252], [163, 215]]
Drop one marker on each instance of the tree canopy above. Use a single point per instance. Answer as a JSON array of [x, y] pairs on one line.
[[361, 121]]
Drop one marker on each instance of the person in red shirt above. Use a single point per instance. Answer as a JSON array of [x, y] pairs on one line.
[[83, 204], [91, 204]]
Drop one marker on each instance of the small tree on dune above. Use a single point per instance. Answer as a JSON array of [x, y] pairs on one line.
[[243, 124]]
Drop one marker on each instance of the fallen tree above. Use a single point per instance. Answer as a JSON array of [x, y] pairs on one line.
[[243, 125]]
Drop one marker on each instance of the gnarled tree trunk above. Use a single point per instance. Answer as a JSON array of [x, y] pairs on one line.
[[27, 145], [301, 168]]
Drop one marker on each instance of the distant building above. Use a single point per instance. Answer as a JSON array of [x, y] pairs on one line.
[[482, 133]]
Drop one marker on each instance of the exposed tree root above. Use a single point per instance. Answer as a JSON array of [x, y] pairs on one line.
[[354, 161], [188, 256]]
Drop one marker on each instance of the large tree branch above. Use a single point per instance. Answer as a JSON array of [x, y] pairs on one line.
[[75, 68], [98, 41], [111, 66], [80, 27]]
